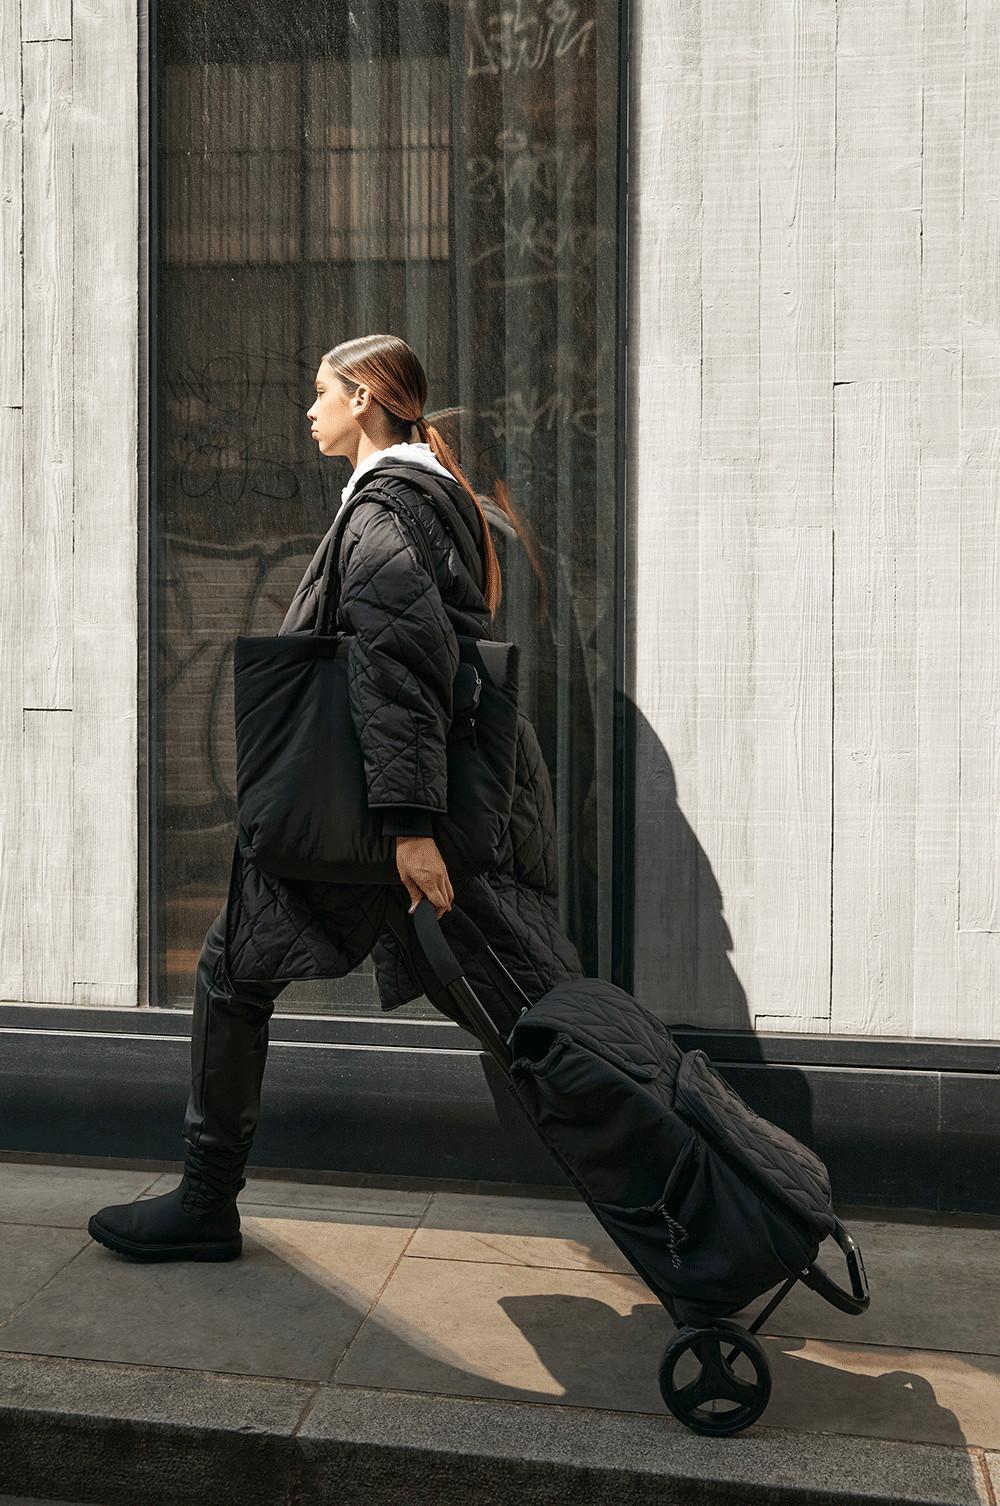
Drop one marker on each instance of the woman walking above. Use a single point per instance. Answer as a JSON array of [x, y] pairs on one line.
[[368, 407]]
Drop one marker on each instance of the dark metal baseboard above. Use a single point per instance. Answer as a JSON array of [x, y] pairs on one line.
[[899, 1123]]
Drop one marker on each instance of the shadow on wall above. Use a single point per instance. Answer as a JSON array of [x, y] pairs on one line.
[[683, 946], [683, 966]]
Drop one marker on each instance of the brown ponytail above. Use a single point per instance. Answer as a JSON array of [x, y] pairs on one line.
[[391, 369]]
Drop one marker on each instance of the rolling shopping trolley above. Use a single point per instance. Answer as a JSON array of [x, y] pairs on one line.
[[712, 1205]]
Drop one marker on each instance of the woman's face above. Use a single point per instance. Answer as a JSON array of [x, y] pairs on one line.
[[334, 415]]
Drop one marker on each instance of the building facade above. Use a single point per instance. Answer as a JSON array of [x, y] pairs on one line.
[[708, 289]]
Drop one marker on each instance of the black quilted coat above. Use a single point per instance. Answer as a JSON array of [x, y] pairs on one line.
[[401, 665]]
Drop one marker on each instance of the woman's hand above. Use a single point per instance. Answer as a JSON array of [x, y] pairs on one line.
[[422, 869]]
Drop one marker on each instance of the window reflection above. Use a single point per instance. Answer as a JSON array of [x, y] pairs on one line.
[[446, 172]]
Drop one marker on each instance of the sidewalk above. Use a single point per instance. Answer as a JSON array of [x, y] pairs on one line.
[[377, 1344]]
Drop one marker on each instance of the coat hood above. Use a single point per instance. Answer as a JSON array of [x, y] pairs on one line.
[[413, 452], [300, 615]]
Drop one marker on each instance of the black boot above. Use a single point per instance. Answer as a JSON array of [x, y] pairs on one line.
[[198, 1220]]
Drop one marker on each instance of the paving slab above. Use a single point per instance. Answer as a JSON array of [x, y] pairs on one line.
[[29, 1258], [64, 1196], [880, 1392], [590, 1338], [273, 1193], [288, 1307], [516, 1231], [936, 1287]]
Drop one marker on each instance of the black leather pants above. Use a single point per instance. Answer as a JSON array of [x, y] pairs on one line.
[[229, 1041]]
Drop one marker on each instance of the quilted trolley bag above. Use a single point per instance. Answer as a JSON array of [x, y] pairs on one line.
[[712, 1205]]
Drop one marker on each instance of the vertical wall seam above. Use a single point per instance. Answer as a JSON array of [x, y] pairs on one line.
[[833, 523]]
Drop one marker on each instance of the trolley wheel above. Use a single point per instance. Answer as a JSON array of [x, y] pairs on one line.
[[717, 1400]]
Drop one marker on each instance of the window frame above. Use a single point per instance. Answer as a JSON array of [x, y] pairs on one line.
[[152, 978]]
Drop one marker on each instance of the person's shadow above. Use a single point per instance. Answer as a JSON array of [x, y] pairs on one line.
[[600, 1357], [593, 1355], [684, 971], [807, 1394]]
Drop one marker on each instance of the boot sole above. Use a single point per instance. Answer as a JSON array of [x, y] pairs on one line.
[[220, 1249]]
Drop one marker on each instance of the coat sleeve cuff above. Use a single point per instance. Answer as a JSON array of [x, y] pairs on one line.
[[407, 821]]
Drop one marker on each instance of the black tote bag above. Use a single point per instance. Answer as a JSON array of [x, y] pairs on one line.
[[301, 791]]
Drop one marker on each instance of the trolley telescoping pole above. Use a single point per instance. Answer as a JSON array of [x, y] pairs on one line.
[[448, 971]]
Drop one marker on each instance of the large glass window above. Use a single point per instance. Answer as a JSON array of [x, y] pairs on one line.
[[443, 171]]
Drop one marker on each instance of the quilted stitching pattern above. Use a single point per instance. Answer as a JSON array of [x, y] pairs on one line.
[[773, 1157], [402, 661], [608, 1021], [530, 841], [280, 928]]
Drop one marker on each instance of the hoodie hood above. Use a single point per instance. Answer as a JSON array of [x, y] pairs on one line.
[[415, 452]]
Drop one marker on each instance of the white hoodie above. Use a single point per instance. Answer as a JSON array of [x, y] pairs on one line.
[[419, 452]]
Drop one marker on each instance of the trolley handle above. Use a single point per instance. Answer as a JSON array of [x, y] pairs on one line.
[[433, 944], [446, 966], [479, 1020], [857, 1299]]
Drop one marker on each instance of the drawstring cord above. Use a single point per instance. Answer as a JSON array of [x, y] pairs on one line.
[[676, 1234]]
